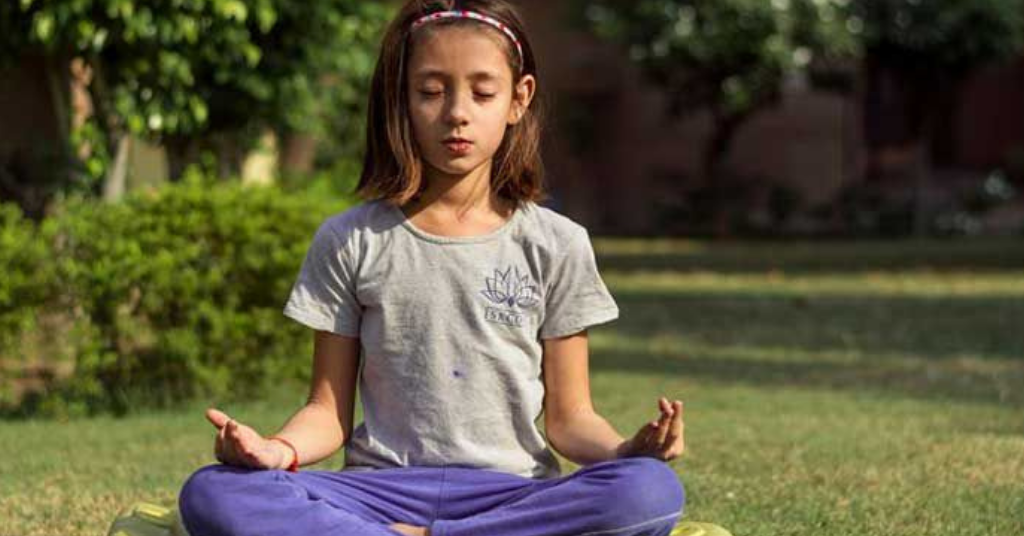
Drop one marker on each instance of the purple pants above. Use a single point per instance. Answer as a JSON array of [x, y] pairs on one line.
[[624, 497]]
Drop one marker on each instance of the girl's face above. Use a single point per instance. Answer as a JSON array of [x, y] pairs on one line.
[[460, 86]]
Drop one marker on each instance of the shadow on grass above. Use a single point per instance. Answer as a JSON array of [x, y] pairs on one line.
[[807, 257], [949, 348], [926, 327], [920, 381]]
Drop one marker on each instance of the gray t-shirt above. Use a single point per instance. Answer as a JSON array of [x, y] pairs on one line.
[[450, 330]]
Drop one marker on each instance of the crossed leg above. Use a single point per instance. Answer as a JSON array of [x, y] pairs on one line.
[[625, 497]]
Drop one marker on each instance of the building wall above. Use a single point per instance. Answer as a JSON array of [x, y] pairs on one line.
[[631, 157], [991, 116]]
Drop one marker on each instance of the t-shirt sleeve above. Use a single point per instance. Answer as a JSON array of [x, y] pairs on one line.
[[577, 297], [324, 294]]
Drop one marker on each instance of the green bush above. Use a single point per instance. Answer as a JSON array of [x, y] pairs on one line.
[[24, 286], [177, 294], [22, 257]]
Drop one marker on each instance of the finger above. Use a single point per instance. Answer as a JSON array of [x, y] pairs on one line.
[[660, 437], [664, 405], [217, 417], [220, 446], [236, 429], [677, 421], [233, 446], [682, 429], [217, 449], [679, 428], [244, 442], [667, 411], [664, 423], [235, 435], [241, 443], [671, 441], [666, 448]]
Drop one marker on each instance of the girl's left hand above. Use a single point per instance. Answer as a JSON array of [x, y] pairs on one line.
[[661, 438]]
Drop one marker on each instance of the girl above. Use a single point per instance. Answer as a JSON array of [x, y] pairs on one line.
[[461, 308]]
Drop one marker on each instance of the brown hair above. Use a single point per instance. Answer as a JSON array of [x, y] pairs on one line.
[[392, 165]]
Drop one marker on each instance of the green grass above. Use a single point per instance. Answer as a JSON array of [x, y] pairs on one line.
[[854, 389]]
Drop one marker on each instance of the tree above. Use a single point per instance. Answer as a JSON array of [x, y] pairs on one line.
[[926, 49], [203, 75], [916, 56], [728, 57]]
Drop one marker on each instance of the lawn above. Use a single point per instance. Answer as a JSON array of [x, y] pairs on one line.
[[867, 388]]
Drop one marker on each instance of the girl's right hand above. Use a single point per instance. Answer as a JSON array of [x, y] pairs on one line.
[[238, 444]]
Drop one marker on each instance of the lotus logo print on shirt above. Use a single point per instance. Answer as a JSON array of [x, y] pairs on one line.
[[511, 290]]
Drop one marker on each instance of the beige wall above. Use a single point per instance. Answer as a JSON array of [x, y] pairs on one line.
[[808, 143]]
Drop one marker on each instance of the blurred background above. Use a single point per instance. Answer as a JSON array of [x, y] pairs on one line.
[[714, 118], [811, 213]]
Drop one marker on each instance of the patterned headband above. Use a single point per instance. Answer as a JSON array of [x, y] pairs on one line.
[[471, 15]]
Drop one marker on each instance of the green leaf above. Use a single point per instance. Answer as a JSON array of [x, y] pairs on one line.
[[43, 26], [233, 9]]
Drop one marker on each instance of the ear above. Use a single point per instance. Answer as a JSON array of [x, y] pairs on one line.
[[522, 95]]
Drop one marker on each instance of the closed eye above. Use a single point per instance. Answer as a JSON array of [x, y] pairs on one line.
[[432, 94]]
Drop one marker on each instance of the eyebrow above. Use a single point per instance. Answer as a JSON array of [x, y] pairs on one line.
[[435, 73]]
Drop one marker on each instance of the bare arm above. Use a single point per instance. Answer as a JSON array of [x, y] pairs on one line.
[[573, 428], [577, 432], [324, 424]]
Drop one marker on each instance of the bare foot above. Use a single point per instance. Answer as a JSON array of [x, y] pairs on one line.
[[410, 530]]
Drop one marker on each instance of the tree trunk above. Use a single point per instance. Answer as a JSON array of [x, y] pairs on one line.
[[938, 98], [59, 79], [229, 154], [890, 119], [298, 154], [117, 175], [945, 106], [712, 165], [105, 120], [922, 177], [722, 133]]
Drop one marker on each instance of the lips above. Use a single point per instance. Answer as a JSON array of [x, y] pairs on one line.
[[458, 146]]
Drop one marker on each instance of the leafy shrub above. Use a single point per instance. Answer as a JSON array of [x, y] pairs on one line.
[[24, 286], [177, 294], [966, 213]]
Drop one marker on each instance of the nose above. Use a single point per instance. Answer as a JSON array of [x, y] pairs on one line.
[[458, 107]]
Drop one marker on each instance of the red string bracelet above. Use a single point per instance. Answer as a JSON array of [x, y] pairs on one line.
[[294, 467]]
